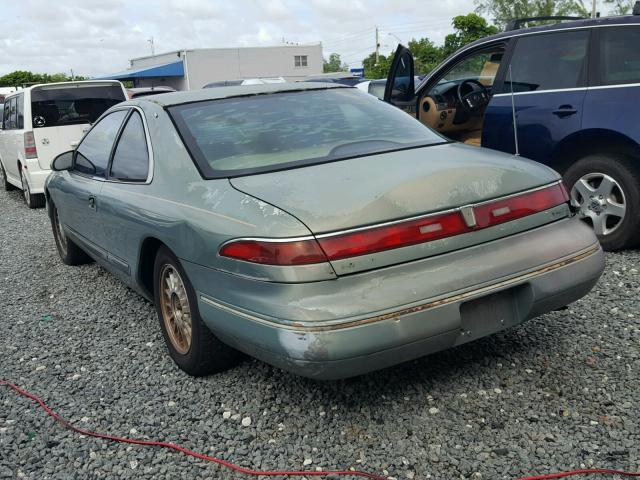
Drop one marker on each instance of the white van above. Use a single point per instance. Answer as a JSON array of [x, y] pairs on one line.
[[42, 121]]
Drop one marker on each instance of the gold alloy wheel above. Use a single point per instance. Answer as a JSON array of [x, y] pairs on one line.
[[62, 238], [176, 312]]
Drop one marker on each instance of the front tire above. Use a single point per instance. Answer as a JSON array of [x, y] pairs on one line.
[[605, 189], [3, 179], [191, 344], [32, 200], [70, 253]]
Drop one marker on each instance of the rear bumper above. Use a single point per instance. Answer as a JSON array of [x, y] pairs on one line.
[[35, 176], [351, 335]]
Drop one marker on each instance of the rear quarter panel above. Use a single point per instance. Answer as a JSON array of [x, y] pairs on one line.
[[191, 216], [614, 108]]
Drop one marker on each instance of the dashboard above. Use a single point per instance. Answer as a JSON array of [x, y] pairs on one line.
[[440, 110]]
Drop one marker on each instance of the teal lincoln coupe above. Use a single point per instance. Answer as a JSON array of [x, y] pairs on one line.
[[314, 227]]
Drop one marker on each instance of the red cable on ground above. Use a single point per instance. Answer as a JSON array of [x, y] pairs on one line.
[[186, 451], [257, 473], [581, 472]]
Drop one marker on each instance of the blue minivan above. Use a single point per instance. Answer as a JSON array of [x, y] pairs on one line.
[[571, 89]]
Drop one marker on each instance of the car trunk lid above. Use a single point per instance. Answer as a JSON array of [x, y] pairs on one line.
[[365, 193]]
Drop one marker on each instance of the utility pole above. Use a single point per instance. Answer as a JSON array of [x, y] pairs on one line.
[[377, 46], [72, 77], [153, 51], [594, 9]]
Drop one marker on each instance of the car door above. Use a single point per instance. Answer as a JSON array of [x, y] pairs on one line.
[[400, 89], [78, 201], [612, 98], [545, 83], [129, 172]]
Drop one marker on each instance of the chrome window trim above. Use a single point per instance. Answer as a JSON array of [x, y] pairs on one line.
[[619, 85], [551, 90], [576, 89]]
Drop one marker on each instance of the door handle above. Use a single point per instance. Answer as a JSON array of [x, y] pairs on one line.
[[565, 111], [92, 202]]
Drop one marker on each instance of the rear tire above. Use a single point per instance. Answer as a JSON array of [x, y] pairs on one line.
[[3, 179], [606, 190], [70, 253], [191, 344], [32, 200]]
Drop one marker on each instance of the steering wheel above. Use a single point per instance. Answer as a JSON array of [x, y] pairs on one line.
[[474, 100]]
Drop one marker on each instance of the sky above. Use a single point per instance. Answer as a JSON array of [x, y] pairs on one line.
[[95, 37]]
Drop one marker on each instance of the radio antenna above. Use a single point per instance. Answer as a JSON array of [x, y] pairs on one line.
[[513, 113]]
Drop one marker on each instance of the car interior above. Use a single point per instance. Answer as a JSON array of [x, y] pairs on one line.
[[455, 106]]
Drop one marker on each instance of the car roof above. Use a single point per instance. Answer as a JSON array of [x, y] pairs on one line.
[[177, 98], [584, 23], [569, 25], [62, 84]]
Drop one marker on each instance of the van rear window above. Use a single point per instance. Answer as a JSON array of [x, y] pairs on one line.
[[54, 107]]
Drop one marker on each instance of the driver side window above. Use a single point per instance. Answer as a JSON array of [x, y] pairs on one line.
[[482, 66], [403, 79]]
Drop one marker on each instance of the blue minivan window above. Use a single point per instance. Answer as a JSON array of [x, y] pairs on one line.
[[549, 61], [620, 55], [255, 133]]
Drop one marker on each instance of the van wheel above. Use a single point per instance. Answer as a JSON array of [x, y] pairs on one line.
[[605, 188], [32, 200], [70, 253], [3, 179], [191, 344]]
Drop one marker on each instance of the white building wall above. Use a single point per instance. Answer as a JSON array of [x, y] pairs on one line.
[[207, 65]]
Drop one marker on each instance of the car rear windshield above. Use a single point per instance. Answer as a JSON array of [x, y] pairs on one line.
[[56, 106], [258, 133]]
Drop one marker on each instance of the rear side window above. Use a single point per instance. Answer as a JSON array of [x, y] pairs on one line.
[[131, 158], [20, 111], [9, 113], [93, 153], [55, 106], [550, 61], [619, 55]]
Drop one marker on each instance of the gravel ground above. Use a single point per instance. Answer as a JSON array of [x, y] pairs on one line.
[[560, 392]]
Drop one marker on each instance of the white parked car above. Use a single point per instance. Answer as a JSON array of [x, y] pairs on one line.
[[43, 121]]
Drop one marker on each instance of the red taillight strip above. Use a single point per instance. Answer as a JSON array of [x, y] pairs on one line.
[[503, 210], [378, 239], [436, 226], [401, 233], [285, 252]]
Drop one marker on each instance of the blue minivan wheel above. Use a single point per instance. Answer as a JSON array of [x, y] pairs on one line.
[[605, 191]]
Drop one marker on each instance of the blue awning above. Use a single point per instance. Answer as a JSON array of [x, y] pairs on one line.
[[173, 69]]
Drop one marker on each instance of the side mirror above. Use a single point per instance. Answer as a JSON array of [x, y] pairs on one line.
[[64, 161]]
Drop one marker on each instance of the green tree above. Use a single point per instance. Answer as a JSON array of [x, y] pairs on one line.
[[620, 7], [501, 11], [377, 70], [334, 64], [22, 77], [426, 55], [468, 28]]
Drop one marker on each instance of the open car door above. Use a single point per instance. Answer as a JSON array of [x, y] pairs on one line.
[[400, 88]]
